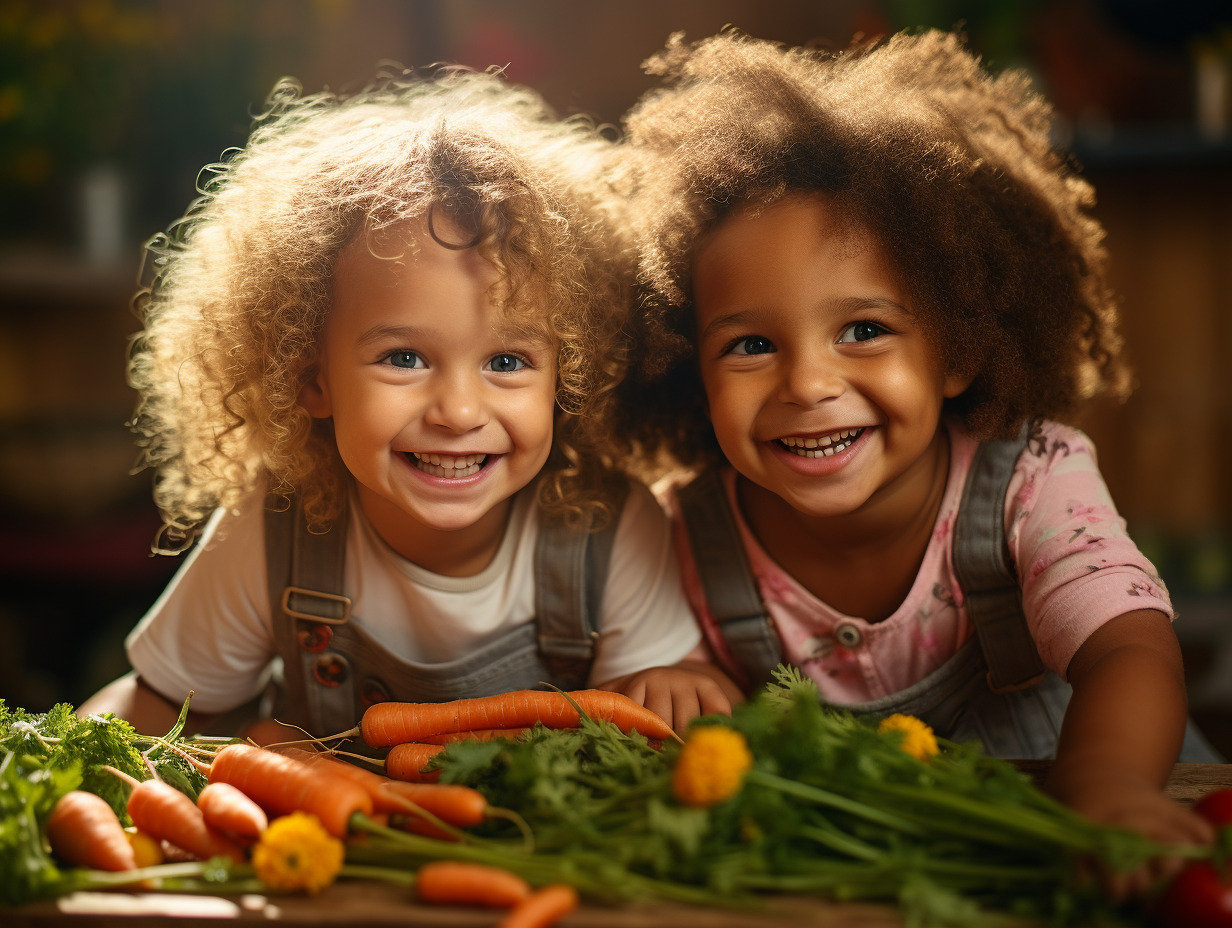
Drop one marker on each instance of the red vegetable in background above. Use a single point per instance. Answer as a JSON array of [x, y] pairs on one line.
[[1199, 897], [1216, 807]]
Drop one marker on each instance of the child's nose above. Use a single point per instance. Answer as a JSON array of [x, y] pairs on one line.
[[807, 381], [457, 403]]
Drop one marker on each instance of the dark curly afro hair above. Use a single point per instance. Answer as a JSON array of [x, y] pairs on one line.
[[949, 167]]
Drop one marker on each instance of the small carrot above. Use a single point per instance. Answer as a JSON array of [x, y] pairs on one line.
[[456, 882], [456, 805], [281, 784], [406, 762], [542, 908], [389, 723], [229, 810], [84, 831], [163, 812]]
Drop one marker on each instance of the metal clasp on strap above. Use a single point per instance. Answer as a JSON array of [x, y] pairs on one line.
[[1015, 687], [331, 603]]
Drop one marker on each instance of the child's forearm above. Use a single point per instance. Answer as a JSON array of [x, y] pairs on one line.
[[131, 699], [1126, 719]]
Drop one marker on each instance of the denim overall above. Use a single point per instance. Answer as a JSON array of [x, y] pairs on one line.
[[333, 669], [995, 689]]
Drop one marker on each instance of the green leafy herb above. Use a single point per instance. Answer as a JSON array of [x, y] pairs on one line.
[[45, 755]]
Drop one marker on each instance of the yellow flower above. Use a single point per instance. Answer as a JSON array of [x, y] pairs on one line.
[[711, 766], [918, 739], [296, 852]]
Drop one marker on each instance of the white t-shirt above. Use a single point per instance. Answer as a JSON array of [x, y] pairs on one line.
[[211, 629]]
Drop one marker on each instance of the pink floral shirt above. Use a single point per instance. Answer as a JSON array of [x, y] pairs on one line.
[[1077, 566]]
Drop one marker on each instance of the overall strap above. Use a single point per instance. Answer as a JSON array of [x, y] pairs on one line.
[[305, 571], [571, 569], [726, 577], [986, 573]]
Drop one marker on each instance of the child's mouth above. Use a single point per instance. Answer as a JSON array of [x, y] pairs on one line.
[[822, 446], [449, 466]]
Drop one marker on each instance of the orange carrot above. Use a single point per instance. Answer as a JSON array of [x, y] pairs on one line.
[[162, 811], [84, 831], [406, 762], [542, 908], [457, 882], [452, 803], [227, 809], [456, 805], [282, 784], [389, 723], [479, 734]]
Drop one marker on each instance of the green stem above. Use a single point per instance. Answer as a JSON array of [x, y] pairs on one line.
[[841, 842], [823, 797]]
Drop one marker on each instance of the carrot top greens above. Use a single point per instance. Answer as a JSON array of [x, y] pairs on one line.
[[45, 755]]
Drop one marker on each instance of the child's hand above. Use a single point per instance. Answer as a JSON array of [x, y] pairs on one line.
[[1124, 803], [681, 693]]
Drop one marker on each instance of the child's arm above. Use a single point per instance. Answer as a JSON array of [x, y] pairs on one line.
[[133, 700], [680, 693], [1122, 734]]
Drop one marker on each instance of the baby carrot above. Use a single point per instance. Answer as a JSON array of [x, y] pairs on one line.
[[84, 831], [229, 810], [406, 762], [456, 805], [161, 810], [389, 723], [282, 784], [542, 908], [456, 882]]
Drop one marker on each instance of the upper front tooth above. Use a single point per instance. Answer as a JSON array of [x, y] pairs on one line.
[[448, 460]]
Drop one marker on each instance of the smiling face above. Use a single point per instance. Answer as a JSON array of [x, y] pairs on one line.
[[442, 408], [822, 386]]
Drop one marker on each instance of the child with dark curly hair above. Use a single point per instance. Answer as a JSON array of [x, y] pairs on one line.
[[376, 357], [872, 294]]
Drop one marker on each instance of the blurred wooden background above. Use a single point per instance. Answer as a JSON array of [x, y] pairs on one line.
[[109, 108]]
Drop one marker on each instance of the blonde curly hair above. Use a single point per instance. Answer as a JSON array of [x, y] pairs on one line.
[[949, 167], [241, 284]]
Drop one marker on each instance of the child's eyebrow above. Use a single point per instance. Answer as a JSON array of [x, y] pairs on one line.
[[386, 332], [743, 319], [751, 318], [857, 303]]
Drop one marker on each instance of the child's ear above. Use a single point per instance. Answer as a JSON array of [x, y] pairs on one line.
[[314, 397], [955, 383]]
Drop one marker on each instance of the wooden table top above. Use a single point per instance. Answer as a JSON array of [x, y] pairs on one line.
[[377, 905]]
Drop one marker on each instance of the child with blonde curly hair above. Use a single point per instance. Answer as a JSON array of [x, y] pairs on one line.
[[376, 359], [872, 293]]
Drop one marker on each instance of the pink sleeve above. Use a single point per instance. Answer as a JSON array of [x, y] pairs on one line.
[[1077, 565]]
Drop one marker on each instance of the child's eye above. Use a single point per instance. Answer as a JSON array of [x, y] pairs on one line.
[[506, 363], [861, 332], [751, 344], [405, 359]]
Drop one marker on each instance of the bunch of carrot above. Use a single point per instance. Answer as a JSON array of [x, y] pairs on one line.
[[246, 785], [415, 732]]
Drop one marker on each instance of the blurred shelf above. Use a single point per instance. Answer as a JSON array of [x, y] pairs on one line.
[[1150, 146], [44, 277]]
